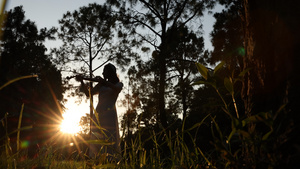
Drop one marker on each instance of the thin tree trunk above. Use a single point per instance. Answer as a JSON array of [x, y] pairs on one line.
[[161, 92], [91, 87]]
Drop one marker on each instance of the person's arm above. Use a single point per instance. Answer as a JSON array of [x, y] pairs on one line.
[[117, 87], [83, 87], [94, 90]]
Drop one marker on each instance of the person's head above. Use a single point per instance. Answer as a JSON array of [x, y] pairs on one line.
[[110, 73]]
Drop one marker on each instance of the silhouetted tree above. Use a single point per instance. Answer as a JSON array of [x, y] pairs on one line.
[[268, 32], [23, 53], [157, 17], [88, 36], [227, 37], [186, 48]]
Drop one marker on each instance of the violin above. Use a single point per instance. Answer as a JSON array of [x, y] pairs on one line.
[[80, 77]]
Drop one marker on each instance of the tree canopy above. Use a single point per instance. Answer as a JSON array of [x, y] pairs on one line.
[[164, 21], [22, 54]]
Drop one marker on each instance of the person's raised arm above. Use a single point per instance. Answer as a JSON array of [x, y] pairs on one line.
[[83, 87], [94, 90], [117, 87]]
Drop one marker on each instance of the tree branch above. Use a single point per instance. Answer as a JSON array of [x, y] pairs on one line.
[[109, 59], [100, 49], [146, 25], [146, 39], [152, 9]]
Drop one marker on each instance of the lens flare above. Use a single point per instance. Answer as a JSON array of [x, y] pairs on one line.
[[241, 51], [24, 144], [70, 125]]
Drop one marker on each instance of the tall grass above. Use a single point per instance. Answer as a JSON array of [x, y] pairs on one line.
[[134, 154]]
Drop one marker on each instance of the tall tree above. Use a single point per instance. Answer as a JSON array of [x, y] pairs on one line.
[[271, 39], [157, 17], [187, 48], [227, 36], [23, 53], [268, 32], [87, 35]]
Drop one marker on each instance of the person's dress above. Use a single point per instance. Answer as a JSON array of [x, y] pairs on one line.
[[108, 120]]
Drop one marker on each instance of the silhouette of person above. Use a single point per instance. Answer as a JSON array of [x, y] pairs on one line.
[[105, 121]]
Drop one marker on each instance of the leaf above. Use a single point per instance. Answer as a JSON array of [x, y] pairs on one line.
[[235, 125], [17, 79], [109, 165], [244, 72], [218, 128], [245, 134], [228, 85], [198, 124], [19, 127], [231, 134], [202, 69], [218, 67], [102, 142], [265, 137], [203, 82]]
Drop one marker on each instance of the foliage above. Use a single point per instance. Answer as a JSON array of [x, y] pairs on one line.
[[267, 31], [243, 115], [173, 46], [136, 152], [227, 36], [252, 139], [89, 36], [23, 55]]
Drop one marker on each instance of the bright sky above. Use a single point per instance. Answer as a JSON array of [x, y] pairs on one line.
[[46, 13]]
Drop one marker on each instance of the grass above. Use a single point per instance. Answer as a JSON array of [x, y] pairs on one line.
[[134, 154], [160, 148]]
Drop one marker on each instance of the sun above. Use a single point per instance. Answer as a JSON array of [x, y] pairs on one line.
[[69, 126], [70, 122]]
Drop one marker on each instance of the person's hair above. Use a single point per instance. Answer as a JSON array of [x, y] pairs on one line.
[[112, 77]]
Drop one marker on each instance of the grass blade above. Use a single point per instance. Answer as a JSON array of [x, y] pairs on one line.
[[17, 79]]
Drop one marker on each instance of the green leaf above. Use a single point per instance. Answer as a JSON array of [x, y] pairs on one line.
[[102, 142], [229, 86], [244, 72], [202, 69], [198, 124], [265, 137], [218, 128], [218, 67], [231, 134], [235, 122]]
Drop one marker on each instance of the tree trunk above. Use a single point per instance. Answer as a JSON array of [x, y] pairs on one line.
[[91, 87], [162, 75], [249, 48], [161, 91], [184, 105]]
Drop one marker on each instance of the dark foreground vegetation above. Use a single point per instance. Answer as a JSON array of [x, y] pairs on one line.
[[238, 102]]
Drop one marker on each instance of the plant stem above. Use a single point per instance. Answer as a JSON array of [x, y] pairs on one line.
[[235, 107]]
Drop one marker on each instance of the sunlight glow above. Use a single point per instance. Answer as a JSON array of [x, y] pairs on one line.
[[69, 126], [70, 123]]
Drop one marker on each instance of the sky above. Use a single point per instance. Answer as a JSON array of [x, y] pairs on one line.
[[46, 13]]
